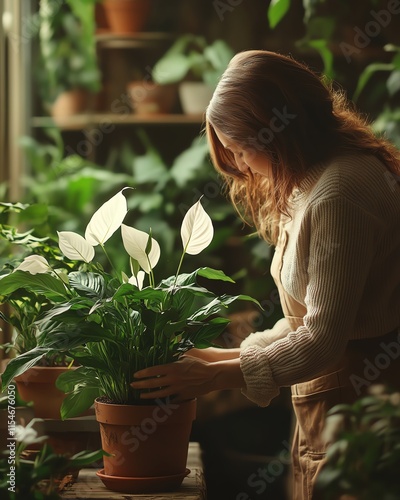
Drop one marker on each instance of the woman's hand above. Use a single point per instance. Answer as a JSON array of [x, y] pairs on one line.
[[188, 378]]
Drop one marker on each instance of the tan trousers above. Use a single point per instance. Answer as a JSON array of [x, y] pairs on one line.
[[365, 362]]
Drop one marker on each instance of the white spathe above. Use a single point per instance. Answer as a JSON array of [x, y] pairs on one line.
[[135, 243], [197, 230], [138, 279], [75, 247], [34, 264], [106, 220]]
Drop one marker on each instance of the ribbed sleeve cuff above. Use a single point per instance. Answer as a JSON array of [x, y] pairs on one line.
[[260, 385]]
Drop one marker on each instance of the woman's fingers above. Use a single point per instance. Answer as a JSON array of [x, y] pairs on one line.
[[153, 371], [184, 379], [149, 383]]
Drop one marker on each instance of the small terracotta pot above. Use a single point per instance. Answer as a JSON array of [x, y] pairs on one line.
[[126, 16], [38, 385], [149, 98], [70, 103], [146, 441]]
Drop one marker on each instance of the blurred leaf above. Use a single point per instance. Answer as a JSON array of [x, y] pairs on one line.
[[276, 11], [393, 82], [368, 72]]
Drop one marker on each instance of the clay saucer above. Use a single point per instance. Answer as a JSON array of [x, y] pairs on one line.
[[142, 484]]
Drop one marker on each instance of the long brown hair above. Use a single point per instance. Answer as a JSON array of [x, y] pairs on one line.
[[274, 105]]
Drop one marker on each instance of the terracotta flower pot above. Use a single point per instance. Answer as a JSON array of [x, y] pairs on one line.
[[126, 16], [70, 103], [38, 385], [146, 442], [149, 98]]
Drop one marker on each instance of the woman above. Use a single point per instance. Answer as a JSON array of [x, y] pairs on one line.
[[317, 183]]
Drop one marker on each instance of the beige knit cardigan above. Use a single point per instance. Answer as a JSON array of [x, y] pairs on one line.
[[342, 262]]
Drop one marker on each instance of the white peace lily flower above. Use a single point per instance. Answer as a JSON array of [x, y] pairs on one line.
[[106, 220], [138, 279], [135, 243], [34, 264], [75, 247], [197, 230], [27, 434]]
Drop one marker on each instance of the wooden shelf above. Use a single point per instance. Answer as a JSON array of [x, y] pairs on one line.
[[108, 40], [83, 121]]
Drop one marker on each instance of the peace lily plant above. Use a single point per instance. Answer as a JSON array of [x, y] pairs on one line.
[[113, 324]]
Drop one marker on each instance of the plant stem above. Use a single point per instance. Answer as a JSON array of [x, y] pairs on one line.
[[108, 257]]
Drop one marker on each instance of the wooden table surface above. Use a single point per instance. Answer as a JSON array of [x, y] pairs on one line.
[[88, 486]]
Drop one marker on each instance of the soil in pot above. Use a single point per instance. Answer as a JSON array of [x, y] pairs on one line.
[[149, 441]]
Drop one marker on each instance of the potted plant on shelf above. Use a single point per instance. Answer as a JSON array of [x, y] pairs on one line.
[[197, 65], [69, 75], [23, 307], [126, 16], [112, 326], [149, 98]]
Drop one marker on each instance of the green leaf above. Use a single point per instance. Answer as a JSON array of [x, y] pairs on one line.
[[209, 332], [22, 363], [83, 387], [214, 274], [84, 458], [88, 284], [45, 284], [172, 69], [190, 162], [309, 9], [131, 292], [66, 336], [322, 47], [276, 11], [365, 76], [393, 82]]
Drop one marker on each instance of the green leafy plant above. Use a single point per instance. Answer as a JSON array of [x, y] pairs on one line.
[[25, 307], [34, 475], [387, 122], [334, 30], [192, 57], [364, 457], [108, 322], [67, 47]]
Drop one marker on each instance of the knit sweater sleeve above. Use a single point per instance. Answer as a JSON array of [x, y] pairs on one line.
[[267, 337], [336, 279]]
